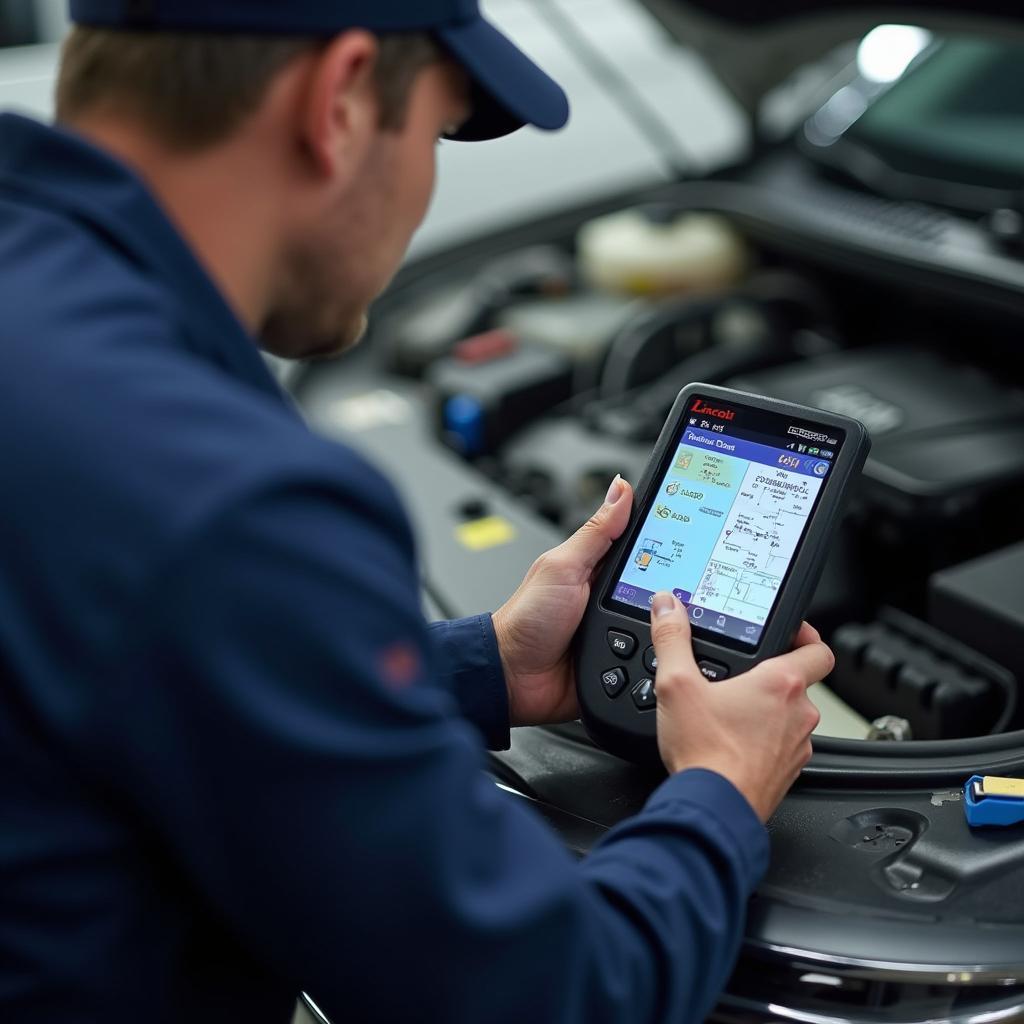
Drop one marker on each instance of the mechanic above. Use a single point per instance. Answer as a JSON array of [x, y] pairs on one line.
[[235, 761]]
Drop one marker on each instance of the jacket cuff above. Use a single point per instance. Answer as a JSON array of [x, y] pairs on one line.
[[469, 666], [723, 804]]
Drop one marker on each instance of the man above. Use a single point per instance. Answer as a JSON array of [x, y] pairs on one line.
[[234, 760]]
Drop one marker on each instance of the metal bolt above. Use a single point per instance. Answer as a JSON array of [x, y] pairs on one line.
[[890, 727]]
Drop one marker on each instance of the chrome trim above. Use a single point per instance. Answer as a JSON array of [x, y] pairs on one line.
[[884, 970], [752, 1010], [514, 792], [314, 1011]]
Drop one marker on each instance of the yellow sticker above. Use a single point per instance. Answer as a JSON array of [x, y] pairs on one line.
[[995, 785], [482, 534], [641, 284]]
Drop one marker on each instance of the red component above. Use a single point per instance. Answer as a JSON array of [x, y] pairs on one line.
[[482, 348]]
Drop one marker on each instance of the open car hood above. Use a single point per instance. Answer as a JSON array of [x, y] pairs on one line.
[[755, 45]]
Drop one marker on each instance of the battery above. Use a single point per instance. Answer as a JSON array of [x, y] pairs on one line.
[[486, 393]]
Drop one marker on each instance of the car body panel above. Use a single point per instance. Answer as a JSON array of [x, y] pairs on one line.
[[648, 111]]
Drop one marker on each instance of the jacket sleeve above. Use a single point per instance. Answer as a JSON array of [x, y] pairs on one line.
[[467, 664], [274, 719]]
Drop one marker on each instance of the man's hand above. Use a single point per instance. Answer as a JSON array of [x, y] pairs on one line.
[[754, 729], [535, 626]]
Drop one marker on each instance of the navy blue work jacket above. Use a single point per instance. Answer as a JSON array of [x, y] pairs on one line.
[[235, 762]]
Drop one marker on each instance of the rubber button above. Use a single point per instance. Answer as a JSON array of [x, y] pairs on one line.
[[643, 694], [713, 670], [614, 681], [622, 644], [650, 660]]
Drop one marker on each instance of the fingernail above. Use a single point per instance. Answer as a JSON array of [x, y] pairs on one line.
[[663, 603], [614, 491]]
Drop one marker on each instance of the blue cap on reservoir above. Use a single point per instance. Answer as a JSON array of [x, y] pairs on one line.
[[509, 90], [464, 424]]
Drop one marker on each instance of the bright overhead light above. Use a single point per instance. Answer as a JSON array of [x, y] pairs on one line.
[[887, 51]]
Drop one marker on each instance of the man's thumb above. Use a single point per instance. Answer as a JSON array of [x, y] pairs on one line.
[[670, 632], [591, 542]]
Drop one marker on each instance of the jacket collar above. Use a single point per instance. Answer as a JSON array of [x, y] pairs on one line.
[[63, 173]]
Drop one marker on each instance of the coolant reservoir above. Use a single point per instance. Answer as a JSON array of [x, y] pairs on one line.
[[659, 251]]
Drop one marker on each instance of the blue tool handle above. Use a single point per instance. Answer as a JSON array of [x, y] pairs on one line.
[[993, 810]]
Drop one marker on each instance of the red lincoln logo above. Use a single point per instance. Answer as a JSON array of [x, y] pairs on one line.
[[700, 406]]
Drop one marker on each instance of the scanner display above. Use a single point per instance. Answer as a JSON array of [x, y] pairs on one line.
[[731, 508]]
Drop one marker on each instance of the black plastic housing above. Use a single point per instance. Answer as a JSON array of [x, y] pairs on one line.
[[898, 665]]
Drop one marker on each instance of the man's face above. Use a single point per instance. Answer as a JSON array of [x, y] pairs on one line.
[[336, 268]]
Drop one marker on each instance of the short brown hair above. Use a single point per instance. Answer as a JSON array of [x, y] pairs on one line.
[[193, 90]]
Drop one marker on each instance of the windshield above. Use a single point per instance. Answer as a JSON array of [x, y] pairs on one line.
[[957, 115]]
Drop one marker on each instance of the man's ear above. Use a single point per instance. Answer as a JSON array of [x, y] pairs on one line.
[[340, 114]]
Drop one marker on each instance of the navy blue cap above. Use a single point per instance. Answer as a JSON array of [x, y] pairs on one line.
[[509, 89]]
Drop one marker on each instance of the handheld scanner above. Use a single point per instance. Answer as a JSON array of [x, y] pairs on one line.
[[734, 514]]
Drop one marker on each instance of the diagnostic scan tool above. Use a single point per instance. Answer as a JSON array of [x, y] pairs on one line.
[[734, 515]]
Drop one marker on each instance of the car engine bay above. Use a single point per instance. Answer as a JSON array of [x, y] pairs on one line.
[[506, 381]]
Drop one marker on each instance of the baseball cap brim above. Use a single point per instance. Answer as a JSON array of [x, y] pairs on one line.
[[510, 91]]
